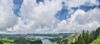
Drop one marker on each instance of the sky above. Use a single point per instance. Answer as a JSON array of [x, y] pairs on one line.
[[48, 16]]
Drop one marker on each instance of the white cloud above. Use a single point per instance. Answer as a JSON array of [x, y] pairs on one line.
[[21, 27], [77, 3], [90, 16], [80, 20], [39, 17], [7, 17]]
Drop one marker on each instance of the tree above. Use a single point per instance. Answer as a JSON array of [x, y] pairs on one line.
[[1, 42], [97, 32], [86, 37]]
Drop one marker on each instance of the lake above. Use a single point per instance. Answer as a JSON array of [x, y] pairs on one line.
[[45, 41]]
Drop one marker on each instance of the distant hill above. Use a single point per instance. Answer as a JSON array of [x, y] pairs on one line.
[[50, 35], [53, 35]]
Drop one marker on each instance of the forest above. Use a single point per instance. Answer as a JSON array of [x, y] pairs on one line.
[[84, 37], [87, 38]]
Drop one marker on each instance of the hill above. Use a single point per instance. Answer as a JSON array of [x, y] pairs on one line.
[[88, 37], [97, 41], [85, 37]]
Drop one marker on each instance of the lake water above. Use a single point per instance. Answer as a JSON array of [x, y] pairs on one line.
[[45, 41]]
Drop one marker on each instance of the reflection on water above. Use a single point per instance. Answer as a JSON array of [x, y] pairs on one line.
[[46, 41]]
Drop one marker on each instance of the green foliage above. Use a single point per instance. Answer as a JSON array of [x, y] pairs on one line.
[[1, 42], [97, 41], [97, 32], [57, 39], [36, 42], [61, 39], [87, 38], [20, 40], [64, 41]]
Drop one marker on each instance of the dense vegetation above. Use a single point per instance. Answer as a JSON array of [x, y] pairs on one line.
[[87, 38], [97, 41], [60, 39], [20, 39], [1, 42]]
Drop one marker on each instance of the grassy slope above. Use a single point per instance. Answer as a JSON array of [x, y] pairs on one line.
[[71, 39], [65, 40], [97, 41], [8, 41]]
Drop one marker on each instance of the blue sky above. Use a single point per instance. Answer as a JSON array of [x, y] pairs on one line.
[[18, 4]]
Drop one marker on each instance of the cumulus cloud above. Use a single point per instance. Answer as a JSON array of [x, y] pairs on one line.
[[38, 17], [20, 27], [80, 20], [90, 16], [77, 3], [7, 17]]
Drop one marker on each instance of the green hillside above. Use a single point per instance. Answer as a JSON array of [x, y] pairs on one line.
[[97, 41], [88, 37], [85, 37], [64, 39]]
